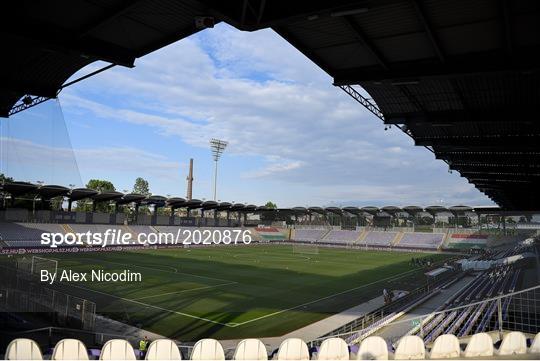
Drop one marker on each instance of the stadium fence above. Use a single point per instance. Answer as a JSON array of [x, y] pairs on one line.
[[20, 291], [516, 311]]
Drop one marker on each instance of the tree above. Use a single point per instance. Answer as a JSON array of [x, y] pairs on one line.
[[141, 187], [4, 179], [269, 217], [100, 185]]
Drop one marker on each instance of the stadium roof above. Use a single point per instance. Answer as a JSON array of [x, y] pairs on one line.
[[107, 196], [192, 203], [460, 77], [81, 193], [391, 209], [156, 200], [250, 208], [436, 209], [319, 210], [223, 206], [370, 209], [353, 210], [237, 207], [209, 205], [131, 198], [51, 191], [460, 209], [18, 188], [176, 202], [47, 42], [412, 210]]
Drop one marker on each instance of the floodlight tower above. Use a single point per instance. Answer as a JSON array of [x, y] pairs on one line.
[[218, 147]]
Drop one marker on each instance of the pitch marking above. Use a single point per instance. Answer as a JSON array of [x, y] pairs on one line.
[[323, 298], [152, 306], [188, 290], [161, 270]]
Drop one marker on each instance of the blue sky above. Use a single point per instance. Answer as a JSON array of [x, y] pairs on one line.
[[294, 138]]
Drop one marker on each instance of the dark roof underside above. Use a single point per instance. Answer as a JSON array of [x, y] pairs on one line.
[[460, 76], [45, 42]]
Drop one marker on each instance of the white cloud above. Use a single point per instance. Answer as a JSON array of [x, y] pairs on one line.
[[272, 169], [262, 95]]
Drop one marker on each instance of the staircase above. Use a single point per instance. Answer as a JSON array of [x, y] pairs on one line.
[[362, 235], [67, 228], [397, 238]]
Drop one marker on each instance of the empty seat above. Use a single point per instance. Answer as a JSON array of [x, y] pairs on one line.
[[117, 350], [373, 348], [293, 349], [513, 343], [163, 350], [535, 346], [480, 345], [410, 348], [333, 349], [250, 349], [23, 349], [69, 349], [207, 349], [445, 346]]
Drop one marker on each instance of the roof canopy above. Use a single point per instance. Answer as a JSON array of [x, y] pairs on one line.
[[107, 196], [391, 209], [131, 198], [335, 210], [460, 209], [318, 210], [370, 209], [413, 210], [192, 203], [19, 188], [436, 209], [77, 194], [51, 191], [353, 210], [156, 200], [461, 77]]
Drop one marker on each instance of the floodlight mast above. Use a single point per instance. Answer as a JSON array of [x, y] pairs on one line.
[[218, 147]]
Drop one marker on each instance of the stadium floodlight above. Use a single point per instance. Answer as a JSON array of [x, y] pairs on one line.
[[218, 147]]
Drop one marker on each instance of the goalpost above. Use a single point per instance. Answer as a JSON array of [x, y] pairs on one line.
[[41, 263]]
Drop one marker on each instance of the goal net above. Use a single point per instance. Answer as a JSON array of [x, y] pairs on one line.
[[41, 263], [305, 248]]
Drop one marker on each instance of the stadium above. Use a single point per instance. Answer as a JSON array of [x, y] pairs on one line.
[[91, 272]]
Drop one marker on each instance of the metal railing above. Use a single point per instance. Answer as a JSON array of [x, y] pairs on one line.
[[515, 311]]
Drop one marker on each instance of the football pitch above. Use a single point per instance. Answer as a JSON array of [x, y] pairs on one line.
[[238, 291]]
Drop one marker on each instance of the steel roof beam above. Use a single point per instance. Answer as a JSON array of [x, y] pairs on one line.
[[59, 41], [419, 9], [495, 141], [479, 63], [523, 116], [112, 14], [366, 43]]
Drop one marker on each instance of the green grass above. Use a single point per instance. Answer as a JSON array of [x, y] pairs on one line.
[[238, 291]]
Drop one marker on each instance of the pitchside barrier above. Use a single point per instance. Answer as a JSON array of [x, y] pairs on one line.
[[21, 291], [516, 311]]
